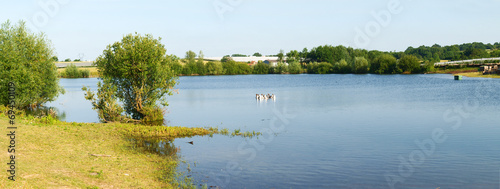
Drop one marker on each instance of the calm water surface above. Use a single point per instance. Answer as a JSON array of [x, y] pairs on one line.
[[333, 131]]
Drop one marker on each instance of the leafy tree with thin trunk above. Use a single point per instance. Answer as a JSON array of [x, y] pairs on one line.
[[200, 65], [26, 59], [281, 55], [136, 72], [190, 67]]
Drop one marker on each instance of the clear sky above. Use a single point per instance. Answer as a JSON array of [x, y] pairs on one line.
[[219, 27]]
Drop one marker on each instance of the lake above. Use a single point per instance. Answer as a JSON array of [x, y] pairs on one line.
[[332, 131]]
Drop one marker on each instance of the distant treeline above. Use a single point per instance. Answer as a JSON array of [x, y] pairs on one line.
[[338, 59]]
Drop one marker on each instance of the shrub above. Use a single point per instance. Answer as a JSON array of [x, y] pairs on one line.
[[26, 60], [409, 63], [341, 67], [72, 71], [294, 68], [360, 65], [261, 68], [136, 72], [214, 68], [384, 64]]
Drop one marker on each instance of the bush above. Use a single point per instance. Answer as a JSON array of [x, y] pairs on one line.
[[136, 72], [324, 68], [84, 73], [409, 63], [243, 68], [26, 60], [175, 66], [294, 68], [360, 65], [72, 71], [214, 68], [384, 64], [261, 68], [280, 68], [341, 67]]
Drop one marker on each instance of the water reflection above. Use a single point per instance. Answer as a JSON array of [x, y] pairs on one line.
[[163, 147], [43, 111]]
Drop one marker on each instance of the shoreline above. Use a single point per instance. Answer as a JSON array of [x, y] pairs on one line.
[[54, 153], [468, 72]]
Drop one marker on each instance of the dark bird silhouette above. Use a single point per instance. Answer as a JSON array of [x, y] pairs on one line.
[[190, 142]]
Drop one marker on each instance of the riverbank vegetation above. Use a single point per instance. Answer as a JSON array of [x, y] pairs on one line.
[[71, 71], [339, 60], [134, 71], [26, 61]]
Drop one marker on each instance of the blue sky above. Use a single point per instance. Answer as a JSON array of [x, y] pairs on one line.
[[220, 27]]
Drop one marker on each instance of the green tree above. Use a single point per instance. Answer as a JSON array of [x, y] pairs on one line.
[[238, 55], [280, 68], [303, 55], [257, 54], [67, 60], [293, 56], [55, 58], [26, 60], [324, 68], [341, 67], [409, 63], [294, 68], [360, 65], [190, 56], [230, 67], [174, 64], [261, 68], [200, 65], [190, 67], [281, 55], [383, 64], [214, 68], [136, 72], [243, 68], [226, 58]]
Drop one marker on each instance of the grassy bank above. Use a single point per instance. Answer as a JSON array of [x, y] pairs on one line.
[[478, 74], [444, 70], [54, 154], [466, 71]]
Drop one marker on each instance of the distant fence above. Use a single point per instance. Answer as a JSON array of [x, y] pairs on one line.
[[472, 61]]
